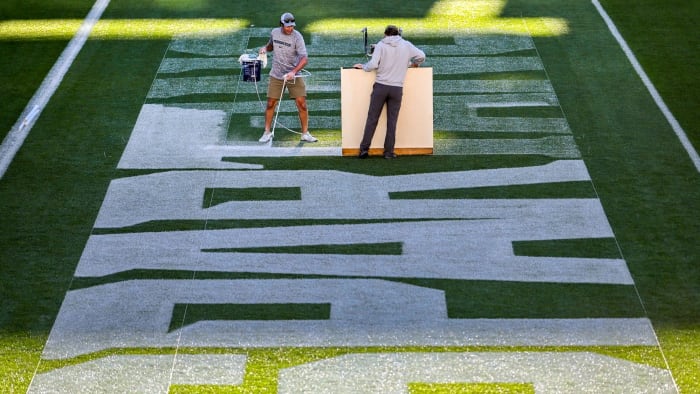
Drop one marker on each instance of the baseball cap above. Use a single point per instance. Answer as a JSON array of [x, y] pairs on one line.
[[287, 19]]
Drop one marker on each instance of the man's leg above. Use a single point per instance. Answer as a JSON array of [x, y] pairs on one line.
[[376, 103], [297, 91], [270, 112], [393, 106], [303, 113], [274, 93]]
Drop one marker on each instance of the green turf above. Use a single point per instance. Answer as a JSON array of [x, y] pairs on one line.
[[383, 248], [470, 388], [216, 196], [589, 247], [649, 188], [664, 39], [186, 314], [50, 196]]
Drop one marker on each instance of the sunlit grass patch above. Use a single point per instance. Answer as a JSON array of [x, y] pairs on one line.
[[39, 29], [467, 388], [452, 17], [165, 28], [19, 353], [442, 25], [681, 346], [124, 29]]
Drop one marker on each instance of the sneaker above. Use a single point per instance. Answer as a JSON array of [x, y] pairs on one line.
[[308, 137], [363, 154], [391, 155], [266, 137]]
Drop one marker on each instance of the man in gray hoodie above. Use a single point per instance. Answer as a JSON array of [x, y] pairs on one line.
[[391, 58]]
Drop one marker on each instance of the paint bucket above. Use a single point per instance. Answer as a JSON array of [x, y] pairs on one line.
[[251, 70]]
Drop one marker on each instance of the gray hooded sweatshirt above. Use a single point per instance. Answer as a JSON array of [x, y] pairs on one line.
[[391, 58]]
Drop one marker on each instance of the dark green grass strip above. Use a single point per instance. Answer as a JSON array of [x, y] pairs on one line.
[[540, 190], [403, 165], [193, 98], [521, 112], [193, 225], [257, 42], [588, 248], [515, 53], [194, 313], [216, 196], [380, 248], [492, 299], [432, 40]]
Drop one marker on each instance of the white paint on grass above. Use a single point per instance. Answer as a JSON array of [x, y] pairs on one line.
[[166, 137], [680, 133], [19, 132], [363, 312], [178, 195], [464, 250]]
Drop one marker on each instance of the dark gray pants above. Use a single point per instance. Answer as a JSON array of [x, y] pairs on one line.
[[391, 96]]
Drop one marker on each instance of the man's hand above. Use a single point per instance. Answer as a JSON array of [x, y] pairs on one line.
[[358, 65], [289, 76], [262, 50]]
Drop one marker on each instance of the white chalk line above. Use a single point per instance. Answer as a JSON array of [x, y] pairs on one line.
[[19, 132], [680, 133]]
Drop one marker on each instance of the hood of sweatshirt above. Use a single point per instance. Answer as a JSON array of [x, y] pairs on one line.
[[392, 40]]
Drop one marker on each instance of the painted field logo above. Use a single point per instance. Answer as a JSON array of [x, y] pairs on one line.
[[325, 280]]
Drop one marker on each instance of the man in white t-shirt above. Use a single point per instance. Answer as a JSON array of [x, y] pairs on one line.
[[290, 57]]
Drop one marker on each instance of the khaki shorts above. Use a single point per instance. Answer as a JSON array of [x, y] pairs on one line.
[[296, 88]]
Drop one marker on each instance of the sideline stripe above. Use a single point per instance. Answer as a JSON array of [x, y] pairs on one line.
[[650, 86], [19, 132]]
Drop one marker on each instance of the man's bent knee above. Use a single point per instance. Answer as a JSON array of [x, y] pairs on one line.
[[301, 103]]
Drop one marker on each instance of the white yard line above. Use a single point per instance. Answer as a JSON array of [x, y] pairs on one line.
[[15, 138], [650, 86]]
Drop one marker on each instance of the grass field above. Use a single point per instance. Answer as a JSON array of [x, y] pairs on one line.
[[549, 244]]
